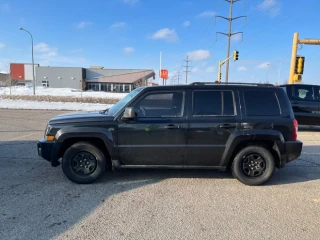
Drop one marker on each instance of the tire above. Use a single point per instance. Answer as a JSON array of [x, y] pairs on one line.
[[253, 165], [83, 163]]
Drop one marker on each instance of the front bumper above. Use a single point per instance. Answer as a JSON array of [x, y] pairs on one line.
[[48, 151]]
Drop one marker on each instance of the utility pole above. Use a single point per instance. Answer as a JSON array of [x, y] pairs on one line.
[[229, 34], [187, 67], [173, 80], [179, 75]]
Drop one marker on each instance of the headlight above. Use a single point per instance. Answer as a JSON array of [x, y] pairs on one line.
[[48, 129], [49, 136]]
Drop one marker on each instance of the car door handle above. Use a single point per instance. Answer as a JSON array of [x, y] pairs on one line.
[[227, 126], [171, 126]]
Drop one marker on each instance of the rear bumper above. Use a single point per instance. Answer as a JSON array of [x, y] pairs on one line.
[[48, 151], [293, 150]]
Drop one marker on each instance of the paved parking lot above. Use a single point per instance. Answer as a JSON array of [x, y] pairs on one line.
[[38, 202]]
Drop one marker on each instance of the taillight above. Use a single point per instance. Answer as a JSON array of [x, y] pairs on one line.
[[295, 130]]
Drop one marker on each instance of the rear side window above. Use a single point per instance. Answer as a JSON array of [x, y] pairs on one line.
[[261, 103], [303, 92], [317, 93], [213, 103]]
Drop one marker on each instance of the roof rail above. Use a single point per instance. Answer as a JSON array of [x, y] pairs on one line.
[[232, 83]]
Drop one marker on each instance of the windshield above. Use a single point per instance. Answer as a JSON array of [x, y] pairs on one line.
[[119, 105]]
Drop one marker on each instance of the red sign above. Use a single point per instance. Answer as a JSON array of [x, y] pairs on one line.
[[164, 73]]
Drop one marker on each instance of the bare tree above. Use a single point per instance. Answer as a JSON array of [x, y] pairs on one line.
[[5, 77], [84, 84]]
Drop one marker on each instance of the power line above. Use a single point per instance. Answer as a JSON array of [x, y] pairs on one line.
[[180, 69], [282, 20], [178, 76], [209, 32]]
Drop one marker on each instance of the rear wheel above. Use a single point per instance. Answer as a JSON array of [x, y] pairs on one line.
[[253, 165], [83, 163]]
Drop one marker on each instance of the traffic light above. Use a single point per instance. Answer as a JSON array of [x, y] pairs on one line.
[[299, 65], [220, 76], [297, 78], [235, 55]]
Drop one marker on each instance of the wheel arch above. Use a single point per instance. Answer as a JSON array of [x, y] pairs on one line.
[[269, 139], [98, 142], [100, 137]]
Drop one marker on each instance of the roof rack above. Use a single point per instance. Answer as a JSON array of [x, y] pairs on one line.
[[233, 83]]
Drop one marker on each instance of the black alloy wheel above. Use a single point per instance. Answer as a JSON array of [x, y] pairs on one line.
[[83, 163], [253, 165]]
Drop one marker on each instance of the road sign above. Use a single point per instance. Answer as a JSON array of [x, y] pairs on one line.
[[164, 74]]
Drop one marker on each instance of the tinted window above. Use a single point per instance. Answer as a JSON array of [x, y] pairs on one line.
[[214, 103], [115, 108], [317, 93], [228, 104], [303, 92], [261, 103], [160, 105]]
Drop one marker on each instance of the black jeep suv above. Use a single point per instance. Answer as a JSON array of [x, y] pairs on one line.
[[250, 128]]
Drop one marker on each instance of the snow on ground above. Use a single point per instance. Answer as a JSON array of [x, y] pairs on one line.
[[21, 104], [28, 90], [66, 92]]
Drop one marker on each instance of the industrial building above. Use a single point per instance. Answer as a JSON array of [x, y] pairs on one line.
[[95, 78], [21, 73], [119, 81], [60, 77]]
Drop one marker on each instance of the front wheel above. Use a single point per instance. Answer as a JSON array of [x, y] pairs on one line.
[[253, 165], [83, 163]]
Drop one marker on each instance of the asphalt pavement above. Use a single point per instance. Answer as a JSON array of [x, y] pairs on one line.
[[38, 202]]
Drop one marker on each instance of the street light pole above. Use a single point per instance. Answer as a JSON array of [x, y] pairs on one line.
[[268, 64], [160, 69], [34, 83], [279, 74]]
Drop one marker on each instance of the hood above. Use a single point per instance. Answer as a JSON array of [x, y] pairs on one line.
[[80, 117]]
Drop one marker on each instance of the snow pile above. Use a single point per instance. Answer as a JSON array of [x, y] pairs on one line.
[[21, 104], [67, 92], [60, 92]]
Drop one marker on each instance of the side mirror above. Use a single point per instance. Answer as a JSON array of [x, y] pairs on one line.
[[129, 113]]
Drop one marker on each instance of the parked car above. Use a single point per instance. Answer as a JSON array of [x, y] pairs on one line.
[[305, 101], [250, 128]]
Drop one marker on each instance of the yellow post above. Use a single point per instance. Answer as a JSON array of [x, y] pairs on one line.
[[219, 71], [293, 57], [310, 41]]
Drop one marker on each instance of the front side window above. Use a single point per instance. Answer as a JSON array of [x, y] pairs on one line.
[[166, 104], [261, 103], [119, 105], [303, 92], [213, 103]]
